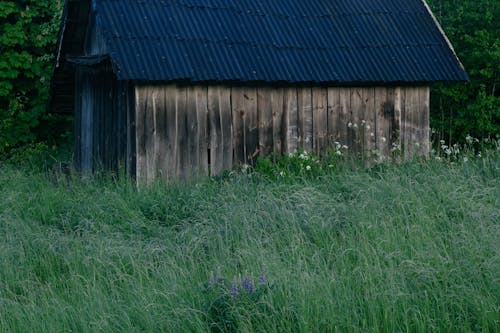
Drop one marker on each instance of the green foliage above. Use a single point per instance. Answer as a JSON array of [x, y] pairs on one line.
[[28, 33], [473, 28]]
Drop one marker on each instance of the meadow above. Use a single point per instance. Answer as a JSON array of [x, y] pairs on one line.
[[410, 247]]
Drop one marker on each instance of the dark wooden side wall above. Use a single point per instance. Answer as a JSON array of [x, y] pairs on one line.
[[104, 121], [200, 130]]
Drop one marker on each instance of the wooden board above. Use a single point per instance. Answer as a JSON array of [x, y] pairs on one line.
[[384, 110], [291, 120], [226, 126], [153, 129], [277, 104], [183, 169], [344, 116], [239, 120], [396, 128], [170, 151], [202, 119], [320, 119], [219, 109], [140, 116], [216, 139], [193, 133], [368, 127], [424, 96], [131, 131], [333, 116], [265, 120], [355, 114], [251, 125], [305, 119]]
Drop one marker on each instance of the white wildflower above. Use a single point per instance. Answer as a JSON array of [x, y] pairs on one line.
[[368, 127], [372, 134], [355, 125], [345, 147], [282, 174], [339, 153], [349, 125], [466, 159], [384, 140], [363, 122], [441, 141], [308, 168]]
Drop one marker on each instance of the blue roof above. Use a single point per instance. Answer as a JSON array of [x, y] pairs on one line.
[[290, 41]]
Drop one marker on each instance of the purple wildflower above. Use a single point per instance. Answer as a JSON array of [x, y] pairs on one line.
[[218, 276], [234, 288], [247, 284]]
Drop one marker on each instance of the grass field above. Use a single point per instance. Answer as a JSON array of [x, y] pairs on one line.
[[408, 248]]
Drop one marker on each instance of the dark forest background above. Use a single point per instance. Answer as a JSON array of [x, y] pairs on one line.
[[28, 35]]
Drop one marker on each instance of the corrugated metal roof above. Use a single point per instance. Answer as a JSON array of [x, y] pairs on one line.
[[319, 41]]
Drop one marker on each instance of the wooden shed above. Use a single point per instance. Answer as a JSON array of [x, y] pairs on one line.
[[174, 88]]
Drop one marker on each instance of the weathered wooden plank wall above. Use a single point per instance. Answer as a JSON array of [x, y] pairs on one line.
[[187, 131], [104, 134]]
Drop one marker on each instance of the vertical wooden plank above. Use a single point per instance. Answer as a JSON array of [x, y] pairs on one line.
[[291, 119], [265, 120], [150, 134], [161, 135], [397, 126], [78, 121], [140, 116], [217, 151], [96, 119], [305, 119], [320, 119], [183, 169], [251, 125], [202, 115], [410, 109], [384, 109], [344, 116], [131, 131], [415, 123], [214, 131], [333, 116], [277, 95], [355, 122], [227, 126], [239, 124], [368, 127], [170, 151], [193, 133], [425, 124]]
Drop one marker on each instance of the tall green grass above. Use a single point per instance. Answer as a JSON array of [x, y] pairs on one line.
[[407, 248]]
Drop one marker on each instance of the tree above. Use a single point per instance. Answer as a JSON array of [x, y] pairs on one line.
[[28, 34], [473, 28]]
